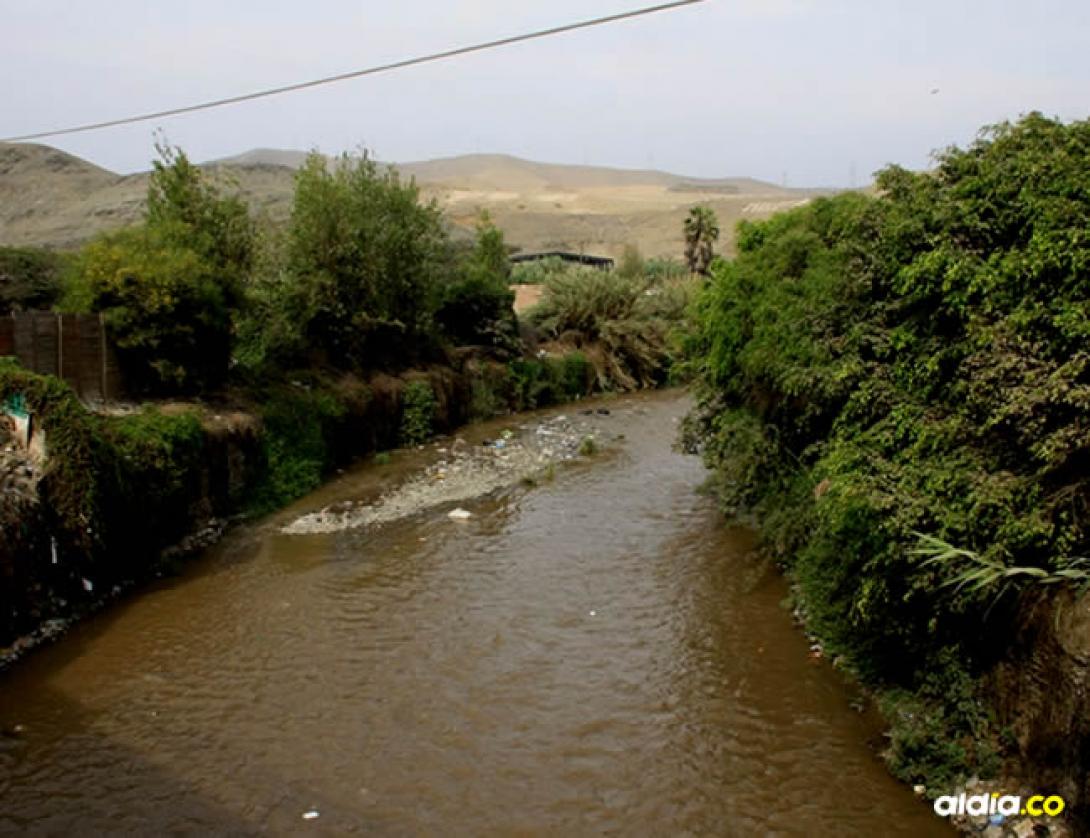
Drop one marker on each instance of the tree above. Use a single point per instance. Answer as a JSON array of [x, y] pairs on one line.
[[476, 307], [701, 233], [363, 255], [190, 208], [171, 287], [29, 278], [164, 304]]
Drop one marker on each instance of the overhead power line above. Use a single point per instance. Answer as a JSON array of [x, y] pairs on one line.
[[354, 74]]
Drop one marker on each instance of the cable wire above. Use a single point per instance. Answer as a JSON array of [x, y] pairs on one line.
[[369, 71]]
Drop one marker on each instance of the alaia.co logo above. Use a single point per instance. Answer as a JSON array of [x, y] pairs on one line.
[[1003, 805]]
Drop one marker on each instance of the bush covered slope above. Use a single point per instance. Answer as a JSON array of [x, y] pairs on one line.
[[885, 379]]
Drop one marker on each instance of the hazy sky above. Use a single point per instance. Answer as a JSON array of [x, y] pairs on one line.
[[811, 89]]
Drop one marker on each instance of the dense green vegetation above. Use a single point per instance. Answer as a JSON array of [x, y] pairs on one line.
[[359, 325], [364, 277], [30, 278], [896, 386], [418, 415], [164, 304], [171, 287], [475, 306], [626, 323], [899, 388], [362, 260]]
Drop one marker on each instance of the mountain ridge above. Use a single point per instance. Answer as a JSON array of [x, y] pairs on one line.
[[441, 169], [52, 198]]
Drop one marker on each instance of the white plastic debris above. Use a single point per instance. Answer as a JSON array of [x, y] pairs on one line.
[[88, 586], [311, 815], [594, 613], [459, 514]]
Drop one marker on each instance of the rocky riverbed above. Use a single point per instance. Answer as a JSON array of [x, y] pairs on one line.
[[526, 452]]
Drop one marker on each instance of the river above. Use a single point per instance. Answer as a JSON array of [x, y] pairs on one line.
[[596, 654]]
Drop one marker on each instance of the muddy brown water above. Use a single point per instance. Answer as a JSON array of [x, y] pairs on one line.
[[599, 654]]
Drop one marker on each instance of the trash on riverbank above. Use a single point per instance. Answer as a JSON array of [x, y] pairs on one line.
[[466, 472]]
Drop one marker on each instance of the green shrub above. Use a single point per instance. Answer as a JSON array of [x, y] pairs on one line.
[[193, 209], [540, 382], [942, 732], [664, 270], [618, 316], [300, 421], [476, 306], [576, 375], [491, 389], [170, 287], [538, 271], [161, 459], [362, 260], [164, 305], [584, 300], [30, 278], [418, 408]]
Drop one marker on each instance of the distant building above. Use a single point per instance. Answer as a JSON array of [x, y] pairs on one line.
[[601, 262]]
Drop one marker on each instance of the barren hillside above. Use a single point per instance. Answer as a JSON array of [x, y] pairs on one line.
[[48, 197]]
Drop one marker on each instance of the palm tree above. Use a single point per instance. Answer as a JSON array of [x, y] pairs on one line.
[[701, 233]]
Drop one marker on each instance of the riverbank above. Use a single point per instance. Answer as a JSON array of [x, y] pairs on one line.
[[127, 494], [894, 387]]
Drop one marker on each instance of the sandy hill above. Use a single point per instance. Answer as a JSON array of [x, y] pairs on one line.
[[503, 171], [48, 197]]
